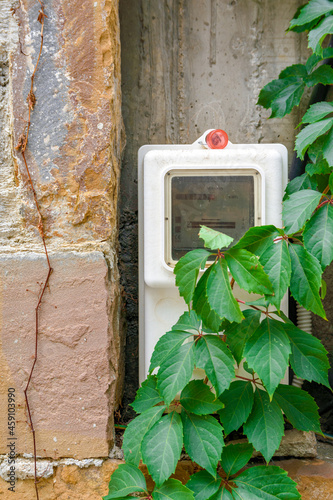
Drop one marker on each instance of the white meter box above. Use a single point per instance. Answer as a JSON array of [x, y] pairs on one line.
[[182, 188]]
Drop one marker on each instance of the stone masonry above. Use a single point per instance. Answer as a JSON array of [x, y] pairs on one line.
[[73, 154]]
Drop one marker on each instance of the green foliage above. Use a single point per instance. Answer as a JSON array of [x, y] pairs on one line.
[[264, 428], [197, 398], [203, 440], [147, 396], [238, 403], [299, 407], [172, 490], [214, 239], [265, 483], [203, 485], [235, 457], [238, 333], [213, 356], [306, 279], [136, 431], [267, 353], [161, 447], [175, 371], [125, 480], [215, 334]]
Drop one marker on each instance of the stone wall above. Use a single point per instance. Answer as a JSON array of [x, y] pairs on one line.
[[186, 66], [73, 155]]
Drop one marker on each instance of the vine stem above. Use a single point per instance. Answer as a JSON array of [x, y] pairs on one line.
[[256, 308], [22, 145]]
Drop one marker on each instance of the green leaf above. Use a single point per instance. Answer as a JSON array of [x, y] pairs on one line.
[[135, 432], [262, 302], [317, 34], [306, 279], [219, 293], [294, 70], [172, 490], [203, 440], [257, 239], [201, 305], [315, 151], [318, 235], [175, 371], [203, 485], [238, 333], [214, 239], [319, 168], [323, 75], [267, 353], [126, 479], [188, 321], [235, 457], [166, 344], [315, 58], [304, 181], [265, 483], [330, 182], [197, 398], [276, 262], [299, 407], [312, 11], [147, 395], [323, 289], [187, 271], [309, 134], [317, 112], [238, 401], [247, 271], [298, 208], [265, 427], [162, 446], [282, 95], [308, 356], [222, 494], [328, 149], [213, 356]]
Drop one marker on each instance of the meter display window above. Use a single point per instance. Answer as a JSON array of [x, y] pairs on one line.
[[224, 200]]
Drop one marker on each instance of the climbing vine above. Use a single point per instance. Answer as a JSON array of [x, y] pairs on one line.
[[216, 335], [21, 147]]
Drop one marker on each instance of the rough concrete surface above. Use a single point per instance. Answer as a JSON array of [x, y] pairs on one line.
[[72, 391], [188, 66]]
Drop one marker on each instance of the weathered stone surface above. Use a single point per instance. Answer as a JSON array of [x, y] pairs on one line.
[[71, 482], [293, 444], [314, 477], [73, 155], [297, 444], [68, 482], [72, 391], [76, 127]]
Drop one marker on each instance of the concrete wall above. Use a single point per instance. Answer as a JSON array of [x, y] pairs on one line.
[[73, 154], [188, 66]]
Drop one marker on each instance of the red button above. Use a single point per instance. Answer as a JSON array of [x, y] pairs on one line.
[[217, 139]]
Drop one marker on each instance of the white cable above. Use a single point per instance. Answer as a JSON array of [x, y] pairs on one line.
[[304, 323]]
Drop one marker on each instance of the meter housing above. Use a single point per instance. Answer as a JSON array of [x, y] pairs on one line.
[[184, 187]]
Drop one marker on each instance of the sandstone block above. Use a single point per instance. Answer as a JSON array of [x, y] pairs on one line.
[[72, 390]]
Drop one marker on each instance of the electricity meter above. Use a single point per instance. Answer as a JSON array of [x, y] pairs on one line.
[[182, 187]]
